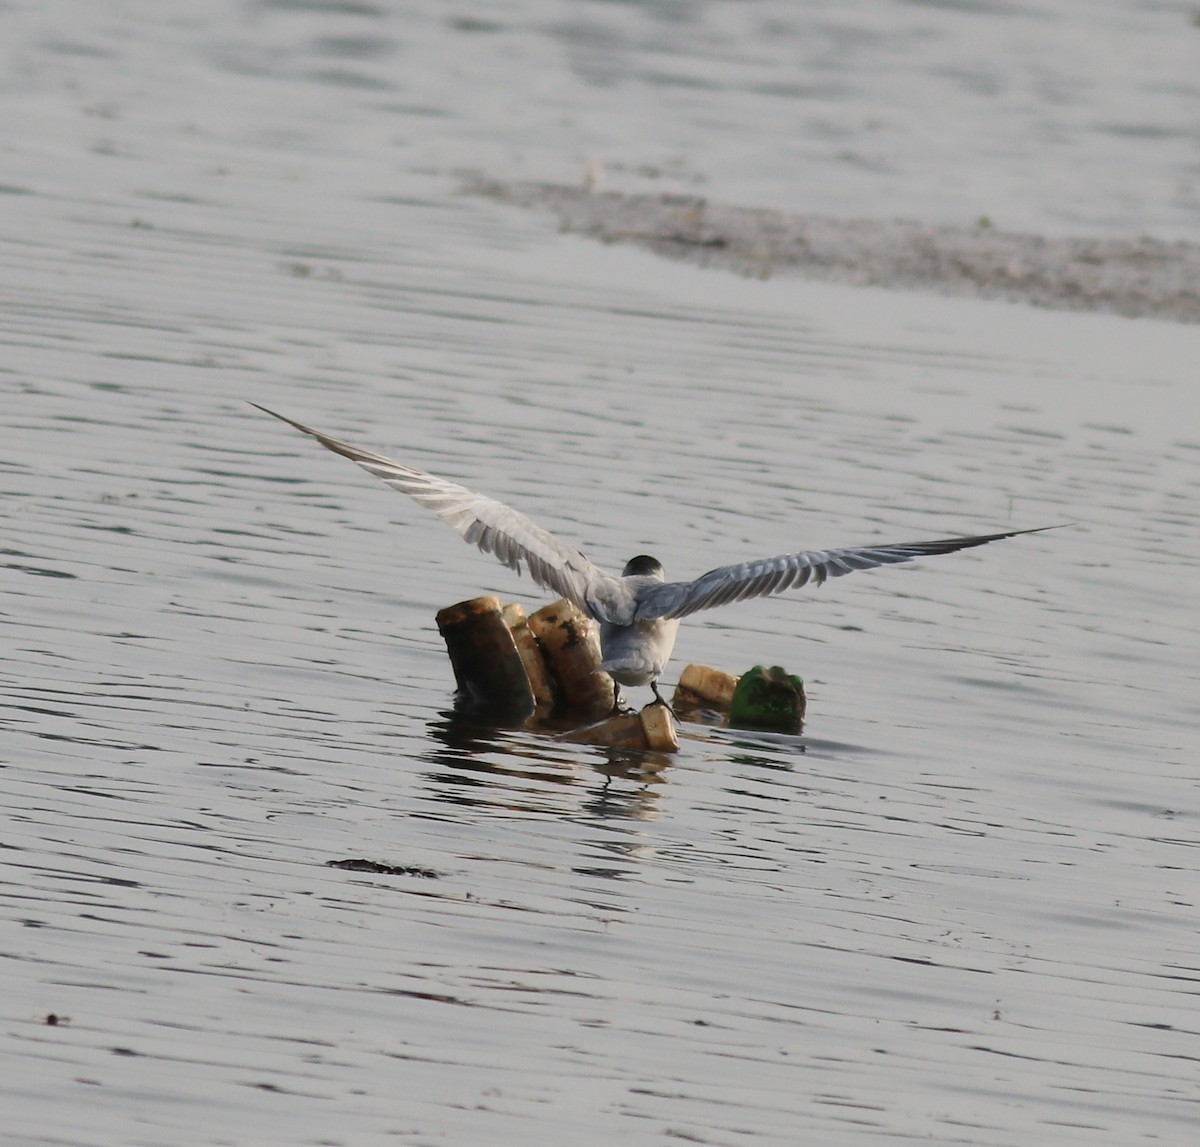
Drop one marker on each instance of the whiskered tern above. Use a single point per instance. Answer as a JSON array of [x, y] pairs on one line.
[[639, 611]]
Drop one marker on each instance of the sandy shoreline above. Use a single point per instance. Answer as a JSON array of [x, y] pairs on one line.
[[1135, 277]]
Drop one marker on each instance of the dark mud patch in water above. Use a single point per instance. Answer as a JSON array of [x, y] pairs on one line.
[[1135, 277], [380, 869]]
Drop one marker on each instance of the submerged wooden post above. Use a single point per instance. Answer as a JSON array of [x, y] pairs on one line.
[[532, 656], [521, 667], [652, 728], [487, 665], [703, 688], [572, 647], [548, 666]]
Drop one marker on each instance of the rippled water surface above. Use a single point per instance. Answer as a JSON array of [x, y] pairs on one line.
[[962, 910]]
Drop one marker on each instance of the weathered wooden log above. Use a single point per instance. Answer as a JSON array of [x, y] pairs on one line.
[[549, 663], [652, 728], [703, 688], [487, 665], [571, 643], [658, 724], [533, 657]]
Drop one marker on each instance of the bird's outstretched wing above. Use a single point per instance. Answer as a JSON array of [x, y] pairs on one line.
[[494, 527], [790, 571]]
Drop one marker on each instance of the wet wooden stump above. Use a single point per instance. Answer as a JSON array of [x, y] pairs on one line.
[[571, 644], [487, 664], [533, 658], [701, 688], [543, 671], [652, 728]]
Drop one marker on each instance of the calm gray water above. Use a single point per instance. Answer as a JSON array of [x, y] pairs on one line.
[[963, 912]]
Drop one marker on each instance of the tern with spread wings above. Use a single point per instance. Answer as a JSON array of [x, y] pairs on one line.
[[639, 610]]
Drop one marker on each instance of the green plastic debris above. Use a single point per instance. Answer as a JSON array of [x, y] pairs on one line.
[[768, 699]]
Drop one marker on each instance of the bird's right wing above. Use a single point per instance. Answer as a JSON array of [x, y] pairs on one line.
[[494, 527], [768, 576]]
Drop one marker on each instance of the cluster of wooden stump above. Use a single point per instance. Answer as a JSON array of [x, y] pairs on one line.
[[543, 671]]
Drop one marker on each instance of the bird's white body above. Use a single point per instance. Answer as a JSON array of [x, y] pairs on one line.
[[637, 654], [639, 610]]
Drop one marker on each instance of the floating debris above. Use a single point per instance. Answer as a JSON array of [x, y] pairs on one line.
[[543, 672], [533, 657], [652, 728], [570, 642], [765, 700], [771, 700], [376, 867], [488, 667], [703, 691]]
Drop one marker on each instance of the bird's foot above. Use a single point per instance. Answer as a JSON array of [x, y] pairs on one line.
[[659, 699]]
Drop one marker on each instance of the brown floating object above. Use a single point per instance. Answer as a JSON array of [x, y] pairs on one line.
[[703, 688], [532, 656], [659, 726], [571, 643], [517, 667], [487, 665], [653, 728]]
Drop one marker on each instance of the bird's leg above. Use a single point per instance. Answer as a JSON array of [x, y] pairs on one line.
[[616, 699], [660, 699]]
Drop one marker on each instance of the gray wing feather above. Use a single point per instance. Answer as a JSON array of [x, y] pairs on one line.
[[492, 526], [768, 576]]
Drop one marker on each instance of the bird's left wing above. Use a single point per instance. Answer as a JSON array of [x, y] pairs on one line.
[[494, 527], [768, 576]]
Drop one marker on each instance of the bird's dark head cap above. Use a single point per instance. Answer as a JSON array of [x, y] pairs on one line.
[[644, 564]]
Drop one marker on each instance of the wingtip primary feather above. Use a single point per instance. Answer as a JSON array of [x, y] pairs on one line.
[[284, 418]]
